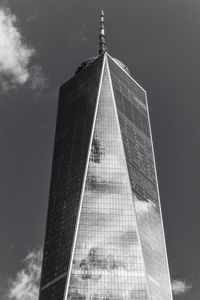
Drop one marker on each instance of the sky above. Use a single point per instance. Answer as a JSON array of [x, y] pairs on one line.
[[41, 45]]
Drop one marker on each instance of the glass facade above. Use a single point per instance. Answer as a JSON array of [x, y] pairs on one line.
[[135, 130], [108, 261], [104, 236], [77, 101]]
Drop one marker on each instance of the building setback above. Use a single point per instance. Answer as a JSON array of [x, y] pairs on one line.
[[104, 233]]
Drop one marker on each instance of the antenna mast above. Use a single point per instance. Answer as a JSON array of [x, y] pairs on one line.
[[102, 36]]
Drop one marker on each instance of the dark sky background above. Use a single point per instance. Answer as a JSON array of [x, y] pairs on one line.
[[159, 40]]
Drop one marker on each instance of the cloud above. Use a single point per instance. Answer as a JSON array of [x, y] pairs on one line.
[[14, 53], [25, 286], [180, 287], [77, 35], [32, 17], [37, 79]]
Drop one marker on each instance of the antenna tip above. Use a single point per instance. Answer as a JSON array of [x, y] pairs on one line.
[[102, 12]]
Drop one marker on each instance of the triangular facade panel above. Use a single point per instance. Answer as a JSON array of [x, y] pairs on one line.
[[107, 261], [76, 108], [132, 108]]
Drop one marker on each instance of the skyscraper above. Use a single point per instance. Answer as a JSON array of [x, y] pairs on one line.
[[104, 234]]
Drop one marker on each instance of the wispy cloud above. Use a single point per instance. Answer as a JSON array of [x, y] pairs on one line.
[[78, 35], [180, 287], [25, 285], [16, 55], [32, 17], [38, 80]]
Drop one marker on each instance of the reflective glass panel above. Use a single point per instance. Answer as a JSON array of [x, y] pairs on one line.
[[135, 131], [108, 261], [75, 116]]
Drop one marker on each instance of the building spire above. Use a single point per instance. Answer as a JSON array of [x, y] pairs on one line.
[[102, 36]]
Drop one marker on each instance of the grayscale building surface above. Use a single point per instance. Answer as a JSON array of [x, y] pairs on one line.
[[104, 234]]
